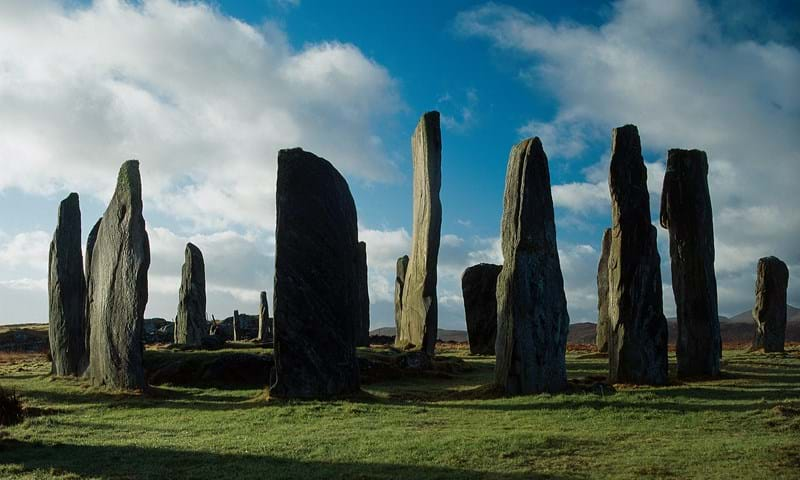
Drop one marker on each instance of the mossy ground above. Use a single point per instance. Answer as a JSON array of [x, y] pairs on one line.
[[744, 425]]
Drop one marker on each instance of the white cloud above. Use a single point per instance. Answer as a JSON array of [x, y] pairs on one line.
[[463, 116], [29, 250]]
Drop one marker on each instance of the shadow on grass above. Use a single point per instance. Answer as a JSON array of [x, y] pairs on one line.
[[140, 462]]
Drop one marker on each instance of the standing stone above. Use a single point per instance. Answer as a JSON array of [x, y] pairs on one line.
[[362, 277], [420, 314], [90, 242], [399, 283], [190, 324], [769, 312], [235, 325], [686, 212], [637, 342], [603, 323], [479, 288], [316, 301], [264, 325], [67, 293], [118, 287], [532, 318]]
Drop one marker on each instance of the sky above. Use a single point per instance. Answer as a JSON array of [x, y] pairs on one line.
[[204, 94]]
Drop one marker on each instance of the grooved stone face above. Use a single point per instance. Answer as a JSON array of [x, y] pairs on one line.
[[479, 288], [67, 293], [420, 314], [118, 287], [362, 277], [637, 342], [190, 325], [686, 212], [769, 312], [399, 283], [316, 309], [532, 319], [603, 324]]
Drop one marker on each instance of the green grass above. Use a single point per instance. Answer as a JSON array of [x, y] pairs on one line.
[[745, 425]]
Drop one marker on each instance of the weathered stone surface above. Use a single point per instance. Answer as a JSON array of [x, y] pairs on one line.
[[67, 293], [532, 318], [769, 312], [603, 324], [399, 283], [235, 326], [264, 322], [190, 324], [90, 241], [479, 289], [315, 285], [637, 342], [362, 277], [419, 320], [118, 287], [686, 212]]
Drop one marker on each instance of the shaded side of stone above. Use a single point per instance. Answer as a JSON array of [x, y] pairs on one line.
[[190, 324], [479, 290], [399, 283], [603, 323], [769, 312], [532, 318], [362, 277]]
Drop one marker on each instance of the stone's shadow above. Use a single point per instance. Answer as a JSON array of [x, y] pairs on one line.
[[140, 462]]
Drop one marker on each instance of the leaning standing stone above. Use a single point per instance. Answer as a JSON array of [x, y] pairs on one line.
[[67, 293], [603, 324], [420, 315], [686, 212], [399, 283], [264, 325], [316, 299], [190, 324], [479, 289], [118, 287], [532, 318], [769, 312]]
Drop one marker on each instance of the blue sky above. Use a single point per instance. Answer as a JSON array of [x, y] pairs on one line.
[[205, 93]]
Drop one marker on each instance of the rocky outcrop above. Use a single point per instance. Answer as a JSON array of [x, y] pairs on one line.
[[532, 318], [637, 342], [399, 283], [315, 285], [479, 289], [420, 314], [118, 287], [769, 312], [603, 323], [190, 324], [686, 212], [362, 277], [66, 289], [264, 322]]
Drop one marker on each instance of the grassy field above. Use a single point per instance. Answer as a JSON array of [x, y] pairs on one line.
[[745, 425]]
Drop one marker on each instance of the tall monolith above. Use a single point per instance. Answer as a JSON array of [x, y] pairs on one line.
[[399, 283], [637, 342], [190, 324], [603, 324], [316, 298], [686, 213], [67, 293], [420, 315], [532, 318], [769, 312], [118, 287], [235, 325], [264, 323], [479, 290]]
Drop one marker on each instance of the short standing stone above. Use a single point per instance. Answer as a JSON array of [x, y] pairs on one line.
[[420, 315], [769, 312], [235, 325], [399, 282], [532, 318], [118, 287], [190, 324], [686, 212], [67, 293], [316, 299], [362, 277], [264, 323], [603, 323], [479, 289]]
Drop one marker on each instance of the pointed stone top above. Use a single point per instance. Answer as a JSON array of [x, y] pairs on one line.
[[69, 210], [129, 183], [191, 247]]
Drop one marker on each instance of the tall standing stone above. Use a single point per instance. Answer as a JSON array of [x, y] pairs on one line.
[[420, 315], [118, 287], [90, 241], [603, 323], [235, 325], [264, 324], [686, 212], [315, 285], [532, 318], [362, 277], [399, 283], [769, 312], [67, 293], [190, 324], [479, 289], [637, 342]]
